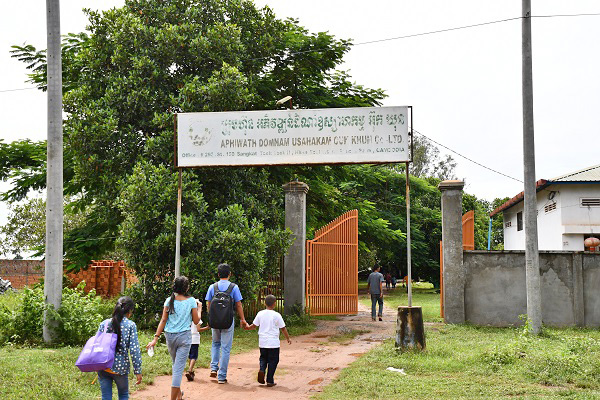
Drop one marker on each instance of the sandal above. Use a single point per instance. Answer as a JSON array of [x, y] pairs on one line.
[[190, 375]]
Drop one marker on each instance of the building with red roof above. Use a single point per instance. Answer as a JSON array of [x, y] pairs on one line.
[[568, 209]]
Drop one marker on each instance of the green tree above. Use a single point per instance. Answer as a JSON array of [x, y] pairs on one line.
[[427, 161], [25, 230], [139, 64]]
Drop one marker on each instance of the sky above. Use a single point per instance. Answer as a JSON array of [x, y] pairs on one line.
[[464, 85]]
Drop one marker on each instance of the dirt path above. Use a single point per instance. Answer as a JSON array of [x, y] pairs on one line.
[[305, 367]]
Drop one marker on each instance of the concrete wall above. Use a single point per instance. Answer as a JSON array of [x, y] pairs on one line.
[[591, 289], [495, 292]]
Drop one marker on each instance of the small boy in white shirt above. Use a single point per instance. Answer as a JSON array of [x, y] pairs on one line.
[[193, 356], [269, 323]]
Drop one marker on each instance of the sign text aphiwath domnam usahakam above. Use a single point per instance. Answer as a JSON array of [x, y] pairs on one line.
[[287, 137]]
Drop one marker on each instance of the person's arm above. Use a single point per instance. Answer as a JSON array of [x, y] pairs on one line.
[[196, 313], [381, 288], [161, 327], [250, 327], [286, 334], [203, 328], [240, 312]]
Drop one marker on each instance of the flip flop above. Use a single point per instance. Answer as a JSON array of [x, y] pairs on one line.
[[190, 375]]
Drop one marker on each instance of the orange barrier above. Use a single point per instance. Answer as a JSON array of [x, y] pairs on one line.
[[332, 267]]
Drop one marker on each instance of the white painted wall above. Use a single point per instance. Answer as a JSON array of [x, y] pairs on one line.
[[563, 228]]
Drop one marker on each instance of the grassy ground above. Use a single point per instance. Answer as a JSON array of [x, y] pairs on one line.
[[50, 373], [423, 295], [475, 362]]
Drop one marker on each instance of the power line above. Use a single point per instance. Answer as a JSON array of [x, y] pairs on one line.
[[404, 36], [16, 90], [467, 158], [471, 26]]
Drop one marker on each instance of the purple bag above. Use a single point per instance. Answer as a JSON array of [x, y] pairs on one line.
[[99, 351]]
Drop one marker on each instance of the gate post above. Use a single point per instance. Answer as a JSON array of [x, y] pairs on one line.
[[294, 262], [454, 274]]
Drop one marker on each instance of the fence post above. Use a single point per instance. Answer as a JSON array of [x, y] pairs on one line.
[[294, 262], [454, 274]]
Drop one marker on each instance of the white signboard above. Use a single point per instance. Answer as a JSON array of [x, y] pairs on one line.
[[286, 137]]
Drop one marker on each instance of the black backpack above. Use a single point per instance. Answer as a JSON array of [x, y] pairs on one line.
[[220, 315]]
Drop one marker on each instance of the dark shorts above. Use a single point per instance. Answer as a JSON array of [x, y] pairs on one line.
[[193, 352]]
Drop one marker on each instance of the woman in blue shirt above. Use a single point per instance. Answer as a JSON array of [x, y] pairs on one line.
[[127, 342], [178, 313]]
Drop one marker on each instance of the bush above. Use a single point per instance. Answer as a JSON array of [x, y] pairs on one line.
[[78, 317], [28, 318]]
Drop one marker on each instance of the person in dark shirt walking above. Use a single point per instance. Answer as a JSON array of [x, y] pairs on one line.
[[374, 285]]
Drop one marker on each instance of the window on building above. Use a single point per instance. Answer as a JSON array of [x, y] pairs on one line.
[[590, 202], [520, 221], [550, 207]]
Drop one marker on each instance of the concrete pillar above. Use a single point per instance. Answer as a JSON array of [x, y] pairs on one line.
[[454, 274], [294, 266]]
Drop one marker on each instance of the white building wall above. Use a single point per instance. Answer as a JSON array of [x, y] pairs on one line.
[[549, 232], [562, 228], [513, 239]]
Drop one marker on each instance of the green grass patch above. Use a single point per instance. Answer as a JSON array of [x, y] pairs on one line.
[[465, 361], [424, 296]]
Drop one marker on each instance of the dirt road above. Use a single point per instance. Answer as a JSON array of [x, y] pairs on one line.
[[305, 367]]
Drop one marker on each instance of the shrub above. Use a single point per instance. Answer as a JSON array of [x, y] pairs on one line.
[[28, 318], [78, 317]]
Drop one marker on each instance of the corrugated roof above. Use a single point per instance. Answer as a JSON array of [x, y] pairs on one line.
[[585, 175], [589, 174]]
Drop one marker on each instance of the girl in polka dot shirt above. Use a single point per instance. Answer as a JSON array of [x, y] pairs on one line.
[[127, 343]]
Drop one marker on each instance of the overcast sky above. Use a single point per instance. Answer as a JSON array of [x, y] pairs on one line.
[[465, 85]]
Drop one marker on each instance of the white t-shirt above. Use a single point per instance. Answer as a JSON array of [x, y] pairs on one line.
[[195, 334], [269, 322]]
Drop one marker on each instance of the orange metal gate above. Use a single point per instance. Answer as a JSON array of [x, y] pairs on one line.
[[332, 267], [468, 232]]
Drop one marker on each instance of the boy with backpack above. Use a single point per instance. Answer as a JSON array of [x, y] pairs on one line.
[[223, 297], [269, 323]]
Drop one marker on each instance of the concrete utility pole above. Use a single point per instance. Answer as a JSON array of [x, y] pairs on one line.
[[54, 180], [532, 257]]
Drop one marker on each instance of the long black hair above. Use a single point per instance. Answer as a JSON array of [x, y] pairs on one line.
[[124, 305], [181, 284]]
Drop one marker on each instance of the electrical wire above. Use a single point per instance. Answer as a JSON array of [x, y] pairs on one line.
[[413, 35], [16, 90], [466, 158]]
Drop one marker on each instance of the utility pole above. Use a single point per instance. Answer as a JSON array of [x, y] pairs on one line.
[[532, 256], [54, 179]]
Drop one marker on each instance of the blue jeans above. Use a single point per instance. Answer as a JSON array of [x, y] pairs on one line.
[[106, 380], [376, 298], [221, 347], [179, 347]]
